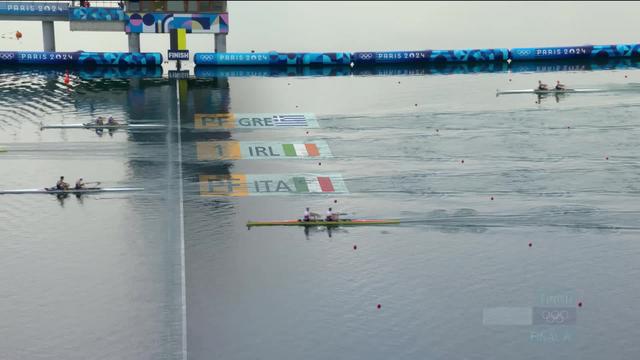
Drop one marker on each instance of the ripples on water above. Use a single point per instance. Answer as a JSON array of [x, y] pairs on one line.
[[559, 175]]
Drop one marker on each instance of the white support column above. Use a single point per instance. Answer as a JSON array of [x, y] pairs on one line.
[[48, 36], [134, 42], [221, 43]]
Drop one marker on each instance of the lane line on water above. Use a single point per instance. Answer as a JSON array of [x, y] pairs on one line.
[[181, 225]]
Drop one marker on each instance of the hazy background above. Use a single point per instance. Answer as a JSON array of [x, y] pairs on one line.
[[372, 25]]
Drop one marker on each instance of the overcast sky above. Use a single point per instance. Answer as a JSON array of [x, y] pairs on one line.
[[361, 26]]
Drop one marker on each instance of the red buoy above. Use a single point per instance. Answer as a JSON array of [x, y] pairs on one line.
[[530, 244], [379, 306], [580, 304], [355, 247]]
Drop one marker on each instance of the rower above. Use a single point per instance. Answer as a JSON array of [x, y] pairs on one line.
[[112, 121], [61, 185], [80, 184], [331, 215], [542, 86], [100, 120], [309, 215], [560, 86]]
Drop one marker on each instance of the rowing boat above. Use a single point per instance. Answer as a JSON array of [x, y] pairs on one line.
[[345, 222], [544, 92], [90, 190], [105, 126]]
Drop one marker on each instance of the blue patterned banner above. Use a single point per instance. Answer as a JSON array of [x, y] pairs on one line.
[[431, 56], [81, 58], [330, 58], [576, 52], [41, 57], [33, 8], [97, 14], [273, 58], [232, 58]]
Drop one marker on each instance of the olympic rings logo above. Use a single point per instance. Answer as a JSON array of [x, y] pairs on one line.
[[555, 316], [7, 56], [366, 56], [524, 52]]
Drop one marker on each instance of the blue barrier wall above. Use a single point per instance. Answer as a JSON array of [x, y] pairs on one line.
[[38, 57], [272, 58], [80, 58], [336, 58], [231, 58], [576, 52], [119, 59], [421, 56], [97, 14], [430, 56]]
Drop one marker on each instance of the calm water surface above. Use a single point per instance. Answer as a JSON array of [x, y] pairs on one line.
[[476, 179]]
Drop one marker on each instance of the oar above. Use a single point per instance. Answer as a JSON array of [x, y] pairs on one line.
[[93, 182]]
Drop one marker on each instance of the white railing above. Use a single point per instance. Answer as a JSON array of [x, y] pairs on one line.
[[95, 4]]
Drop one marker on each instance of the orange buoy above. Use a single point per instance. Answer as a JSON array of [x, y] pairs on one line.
[[18, 35]]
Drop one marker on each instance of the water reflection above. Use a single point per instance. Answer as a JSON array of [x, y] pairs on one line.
[[417, 69]]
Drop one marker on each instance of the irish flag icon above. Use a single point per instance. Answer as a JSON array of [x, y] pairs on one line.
[[300, 150]]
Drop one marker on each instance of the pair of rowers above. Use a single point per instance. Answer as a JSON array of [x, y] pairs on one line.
[[111, 121], [330, 215], [62, 185], [543, 87]]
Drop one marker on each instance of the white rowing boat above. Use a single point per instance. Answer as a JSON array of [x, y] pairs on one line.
[[90, 190], [545, 92], [105, 126]]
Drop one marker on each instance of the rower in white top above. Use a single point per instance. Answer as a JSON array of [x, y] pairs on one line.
[[80, 184], [309, 215], [332, 215]]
